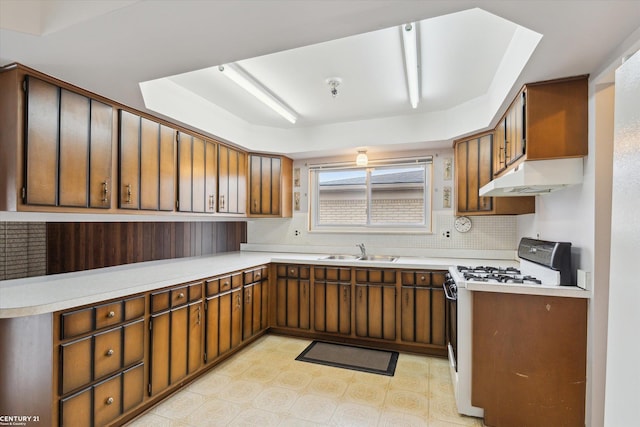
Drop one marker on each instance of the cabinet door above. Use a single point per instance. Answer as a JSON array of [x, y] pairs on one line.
[[232, 181], [159, 353], [210, 184], [236, 318], [100, 182], [132, 387], [224, 336], [255, 179], [198, 176], [149, 164], [293, 303], [185, 180], [195, 337], [223, 179], [74, 149], [499, 162], [247, 323], [107, 401], [332, 307], [129, 160], [376, 311], [264, 176], [41, 151], [179, 344], [474, 162], [212, 327], [167, 168]]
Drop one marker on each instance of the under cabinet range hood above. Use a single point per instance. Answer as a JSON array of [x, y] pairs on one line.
[[535, 177]]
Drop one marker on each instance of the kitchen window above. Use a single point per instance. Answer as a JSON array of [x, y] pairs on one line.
[[392, 196]]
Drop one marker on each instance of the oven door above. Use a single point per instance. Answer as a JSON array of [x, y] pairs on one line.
[[451, 312]]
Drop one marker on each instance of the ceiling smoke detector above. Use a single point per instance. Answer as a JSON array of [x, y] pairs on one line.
[[333, 83]]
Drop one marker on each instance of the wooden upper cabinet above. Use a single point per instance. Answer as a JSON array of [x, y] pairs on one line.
[[167, 168], [196, 174], [147, 164], [473, 164], [546, 120], [270, 185], [68, 141], [129, 160], [232, 180], [100, 182]]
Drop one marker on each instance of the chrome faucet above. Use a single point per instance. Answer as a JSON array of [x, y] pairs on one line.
[[363, 250]]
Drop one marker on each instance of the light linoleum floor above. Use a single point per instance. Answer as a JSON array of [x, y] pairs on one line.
[[263, 385]]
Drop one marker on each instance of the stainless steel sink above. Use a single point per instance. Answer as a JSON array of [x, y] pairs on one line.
[[377, 258], [347, 257]]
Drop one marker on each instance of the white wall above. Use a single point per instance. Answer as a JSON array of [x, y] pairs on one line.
[[623, 370]]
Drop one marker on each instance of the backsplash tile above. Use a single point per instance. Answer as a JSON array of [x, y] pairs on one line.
[[487, 233], [23, 251]]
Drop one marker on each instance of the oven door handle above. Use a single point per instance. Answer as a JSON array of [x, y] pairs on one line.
[[446, 293]]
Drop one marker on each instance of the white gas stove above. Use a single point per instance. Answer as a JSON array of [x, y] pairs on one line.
[[542, 263]]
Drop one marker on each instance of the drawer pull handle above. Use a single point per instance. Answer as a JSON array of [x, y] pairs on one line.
[[181, 295], [111, 314], [109, 401], [292, 271], [109, 352]]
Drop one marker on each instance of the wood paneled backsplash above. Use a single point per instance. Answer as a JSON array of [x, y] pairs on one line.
[[83, 246]]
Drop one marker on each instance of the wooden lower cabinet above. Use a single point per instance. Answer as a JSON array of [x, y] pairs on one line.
[[256, 308], [101, 362], [529, 359], [332, 300], [375, 303], [422, 309], [293, 296], [175, 346]]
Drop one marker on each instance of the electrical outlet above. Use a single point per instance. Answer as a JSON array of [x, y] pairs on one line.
[[446, 233], [296, 232]]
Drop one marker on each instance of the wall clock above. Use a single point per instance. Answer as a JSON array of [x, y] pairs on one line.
[[462, 224]]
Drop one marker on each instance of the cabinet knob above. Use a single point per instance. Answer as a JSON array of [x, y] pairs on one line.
[[109, 352], [109, 401], [422, 278], [111, 314], [257, 275], [292, 271]]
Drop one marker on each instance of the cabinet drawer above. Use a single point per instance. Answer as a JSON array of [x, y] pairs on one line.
[[225, 283], [374, 275], [160, 301], [75, 411], [294, 271], [255, 275], [179, 296], [77, 323], [108, 314], [236, 280], [134, 308], [416, 278], [332, 274], [107, 401], [75, 360], [213, 286], [107, 353], [195, 292]]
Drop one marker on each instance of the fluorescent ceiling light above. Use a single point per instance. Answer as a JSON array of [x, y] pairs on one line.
[[248, 83], [409, 41]]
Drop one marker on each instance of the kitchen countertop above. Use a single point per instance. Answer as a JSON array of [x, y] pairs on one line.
[[46, 294]]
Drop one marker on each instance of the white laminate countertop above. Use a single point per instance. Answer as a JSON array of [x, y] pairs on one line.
[[47, 294]]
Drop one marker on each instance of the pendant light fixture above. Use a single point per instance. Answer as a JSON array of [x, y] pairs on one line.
[[361, 158], [240, 77]]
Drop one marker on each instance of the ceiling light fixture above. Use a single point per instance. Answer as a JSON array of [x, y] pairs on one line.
[[362, 159], [248, 83], [410, 43], [333, 83]]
